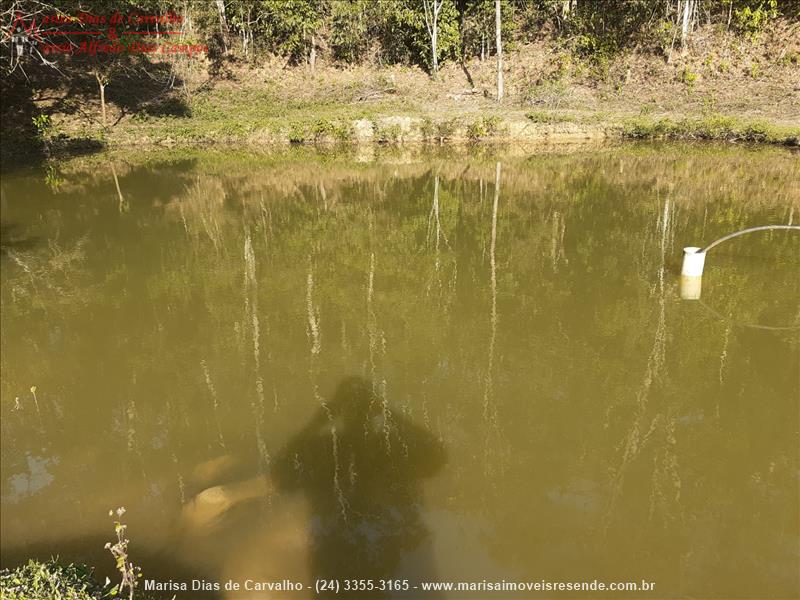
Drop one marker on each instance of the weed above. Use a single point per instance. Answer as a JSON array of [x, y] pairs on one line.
[[709, 105], [43, 123], [446, 129], [325, 130], [297, 133], [427, 129], [483, 128], [52, 179], [388, 134], [119, 550], [541, 116], [48, 580], [344, 132], [598, 50], [689, 77]]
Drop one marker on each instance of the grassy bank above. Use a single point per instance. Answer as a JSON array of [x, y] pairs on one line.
[[711, 127], [394, 106], [722, 87], [343, 125]]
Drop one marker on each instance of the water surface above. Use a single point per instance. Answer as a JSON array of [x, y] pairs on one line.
[[404, 370]]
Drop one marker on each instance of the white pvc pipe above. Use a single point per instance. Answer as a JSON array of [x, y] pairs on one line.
[[693, 262], [691, 287], [694, 259]]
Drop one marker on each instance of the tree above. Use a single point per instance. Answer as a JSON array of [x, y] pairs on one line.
[[432, 10], [350, 33], [290, 26], [223, 23], [409, 26], [104, 53], [688, 8], [499, 41]]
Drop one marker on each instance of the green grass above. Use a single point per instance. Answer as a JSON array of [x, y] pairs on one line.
[[222, 115], [44, 581], [542, 116], [259, 116], [551, 117], [711, 127]]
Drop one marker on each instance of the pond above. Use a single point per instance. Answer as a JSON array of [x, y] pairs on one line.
[[407, 365]]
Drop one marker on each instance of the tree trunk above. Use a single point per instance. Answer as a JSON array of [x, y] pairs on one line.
[[434, 43], [499, 37], [687, 11], [223, 23], [312, 55], [431, 9]]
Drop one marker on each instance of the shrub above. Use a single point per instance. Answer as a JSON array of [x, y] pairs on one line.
[[446, 129], [689, 77], [297, 133], [325, 130], [484, 127], [751, 21], [427, 129], [45, 581], [388, 134]]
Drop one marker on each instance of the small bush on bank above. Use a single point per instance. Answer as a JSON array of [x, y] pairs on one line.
[[326, 130], [388, 134], [484, 127], [540, 116], [45, 581], [445, 130], [48, 580]]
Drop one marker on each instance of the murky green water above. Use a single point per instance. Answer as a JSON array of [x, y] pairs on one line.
[[533, 399]]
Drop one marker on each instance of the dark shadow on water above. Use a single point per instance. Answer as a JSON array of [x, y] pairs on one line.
[[361, 464], [12, 238]]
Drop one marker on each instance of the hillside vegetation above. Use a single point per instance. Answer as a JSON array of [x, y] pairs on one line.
[[323, 71]]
